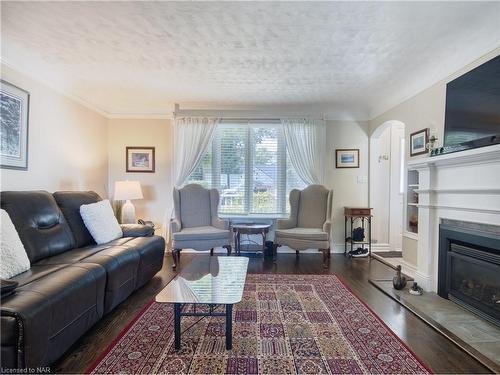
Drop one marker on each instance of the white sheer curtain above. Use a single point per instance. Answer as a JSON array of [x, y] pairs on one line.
[[306, 143], [192, 136]]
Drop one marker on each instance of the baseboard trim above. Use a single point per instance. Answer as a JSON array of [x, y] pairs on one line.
[[425, 281], [381, 247]]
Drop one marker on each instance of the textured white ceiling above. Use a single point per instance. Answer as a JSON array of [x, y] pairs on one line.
[[346, 59]]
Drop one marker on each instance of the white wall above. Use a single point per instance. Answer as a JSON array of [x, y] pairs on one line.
[[347, 191], [157, 187], [67, 145], [424, 110]]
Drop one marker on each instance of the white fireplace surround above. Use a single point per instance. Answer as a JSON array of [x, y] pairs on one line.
[[461, 186]]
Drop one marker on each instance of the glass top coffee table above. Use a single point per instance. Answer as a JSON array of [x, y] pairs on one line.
[[207, 280]]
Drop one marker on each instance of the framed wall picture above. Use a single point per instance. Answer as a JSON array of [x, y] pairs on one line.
[[140, 159], [14, 110], [347, 158], [418, 142]]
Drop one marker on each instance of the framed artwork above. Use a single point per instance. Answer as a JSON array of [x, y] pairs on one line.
[[347, 158], [140, 159], [14, 111], [418, 142]]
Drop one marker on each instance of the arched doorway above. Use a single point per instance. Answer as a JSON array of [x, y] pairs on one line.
[[387, 157]]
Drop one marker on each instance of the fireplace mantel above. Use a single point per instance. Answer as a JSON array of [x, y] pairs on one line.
[[460, 186], [477, 155]]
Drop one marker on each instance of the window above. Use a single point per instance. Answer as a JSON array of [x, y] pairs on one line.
[[249, 165]]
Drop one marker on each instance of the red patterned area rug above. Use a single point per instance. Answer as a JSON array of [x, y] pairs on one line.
[[285, 324]]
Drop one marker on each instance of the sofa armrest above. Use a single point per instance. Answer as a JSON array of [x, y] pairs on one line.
[[8, 287], [219, 223], [327, 227], [137, 230], [175, 226]]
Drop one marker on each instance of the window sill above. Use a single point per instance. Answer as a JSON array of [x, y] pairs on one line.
[[253, 216]]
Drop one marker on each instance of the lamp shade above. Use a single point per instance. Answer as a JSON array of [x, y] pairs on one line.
[[125, 190]]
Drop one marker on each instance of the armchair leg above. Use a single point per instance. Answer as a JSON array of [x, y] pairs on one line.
[[329, 253], [326, 257], [176, 257], [228, 248], [275, 251], [211, 251], [173, 259], [296, 253]]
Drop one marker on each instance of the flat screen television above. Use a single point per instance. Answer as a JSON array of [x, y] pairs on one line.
[[472, 117]]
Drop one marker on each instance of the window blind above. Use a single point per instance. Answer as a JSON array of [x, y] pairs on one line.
[[249, 165]]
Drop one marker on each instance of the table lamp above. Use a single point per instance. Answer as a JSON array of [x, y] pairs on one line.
[[126, 191]]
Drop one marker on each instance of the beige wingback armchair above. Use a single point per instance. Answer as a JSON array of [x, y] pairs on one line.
[[196, 224], [309, 224]]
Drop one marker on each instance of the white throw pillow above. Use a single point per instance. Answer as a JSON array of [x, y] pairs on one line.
[[14, 259], [101, 221]]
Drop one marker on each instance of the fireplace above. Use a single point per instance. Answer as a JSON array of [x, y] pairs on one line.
[[469, 267]]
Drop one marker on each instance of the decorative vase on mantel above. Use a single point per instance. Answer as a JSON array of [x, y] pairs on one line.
[[399, 281]]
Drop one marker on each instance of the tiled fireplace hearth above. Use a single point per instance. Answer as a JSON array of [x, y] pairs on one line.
[[469, 267], [463, 187]]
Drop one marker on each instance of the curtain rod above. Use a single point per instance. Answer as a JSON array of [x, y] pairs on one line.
[[248, 118], [242, 115]]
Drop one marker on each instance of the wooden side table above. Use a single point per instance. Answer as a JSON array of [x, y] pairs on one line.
[[350, 215], [239, 229]]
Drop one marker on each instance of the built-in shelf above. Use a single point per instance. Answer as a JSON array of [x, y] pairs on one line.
[[411, 199], [357, 242]]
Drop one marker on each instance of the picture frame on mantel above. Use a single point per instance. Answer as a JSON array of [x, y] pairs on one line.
[[418, 142], [347, 158], [14, 103], [140, 159]]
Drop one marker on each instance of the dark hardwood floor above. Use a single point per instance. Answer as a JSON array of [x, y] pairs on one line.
[[440, 354]]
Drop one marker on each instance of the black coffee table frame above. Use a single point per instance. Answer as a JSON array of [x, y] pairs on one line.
[[178, 307]]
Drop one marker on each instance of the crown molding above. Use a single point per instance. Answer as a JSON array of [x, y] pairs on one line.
[[325, 114], [136, 116], [328, 116], [72, 97]]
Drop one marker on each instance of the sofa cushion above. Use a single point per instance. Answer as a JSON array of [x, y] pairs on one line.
[[69, 202], [201, 233], [312, 234], [40, 223], [76, 255], [151, 251], [54, 311], [121, 264], [37, 272], [101, 221], [14, 259]]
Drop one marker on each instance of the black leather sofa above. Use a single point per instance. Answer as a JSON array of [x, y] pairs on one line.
[[72, 282]]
